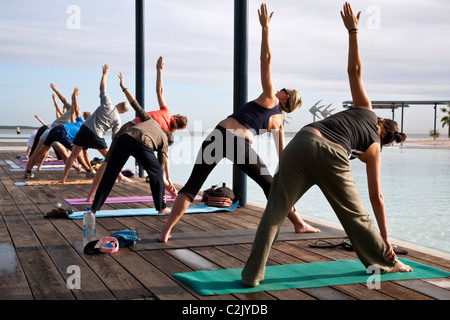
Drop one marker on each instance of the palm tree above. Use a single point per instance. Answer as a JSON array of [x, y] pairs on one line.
[[446, 119]]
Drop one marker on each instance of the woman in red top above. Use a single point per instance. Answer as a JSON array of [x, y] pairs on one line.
[[163, 115]]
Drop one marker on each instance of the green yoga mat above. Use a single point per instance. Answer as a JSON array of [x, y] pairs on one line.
[[202, 208], [305, 275]]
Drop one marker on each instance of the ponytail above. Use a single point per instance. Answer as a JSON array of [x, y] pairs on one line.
[[389, 132], [179, 122], [399, 137], [294, 101]]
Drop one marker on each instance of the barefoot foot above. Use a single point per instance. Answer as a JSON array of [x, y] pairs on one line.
[[163, 211], [164, 238], [306, 228], [401, 267], [123, 179]]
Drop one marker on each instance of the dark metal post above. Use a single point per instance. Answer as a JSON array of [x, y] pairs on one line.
[[140, 59], [435, 117], [240, 83], [401, 124]]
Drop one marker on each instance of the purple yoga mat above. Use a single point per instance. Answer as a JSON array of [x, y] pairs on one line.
[[44, 163], [123, 199]]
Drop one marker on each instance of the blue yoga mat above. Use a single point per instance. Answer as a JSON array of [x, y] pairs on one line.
[[203, 208], [305, 275]]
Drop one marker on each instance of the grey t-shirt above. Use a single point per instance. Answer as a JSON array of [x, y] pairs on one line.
[[355, 129], [64, 118], [105, 117]]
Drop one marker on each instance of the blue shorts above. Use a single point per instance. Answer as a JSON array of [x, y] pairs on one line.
[[58, 134], [88, 140]]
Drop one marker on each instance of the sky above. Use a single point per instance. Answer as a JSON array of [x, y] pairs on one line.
[[405, 46]]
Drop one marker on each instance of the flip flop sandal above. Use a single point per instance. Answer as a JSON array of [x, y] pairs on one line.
[[60, 213], [347, 245], [52, 213], [325, 244], [399, 251]]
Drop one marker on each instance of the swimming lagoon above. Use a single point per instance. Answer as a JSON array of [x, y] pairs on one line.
[[415, 183]]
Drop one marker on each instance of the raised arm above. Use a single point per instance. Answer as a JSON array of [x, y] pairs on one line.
[[359, 95], [159, 83], [372, 159], [125, 90], [60, 96], [143, 116], [105, 70], [266, 53], [56, 104], [75, 112], [40, 120]]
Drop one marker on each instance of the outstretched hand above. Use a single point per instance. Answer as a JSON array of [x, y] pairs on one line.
[[171, 188], [122, 81], [160, 64], [264, 17], [349, 19], [105, 69], [390, 253]]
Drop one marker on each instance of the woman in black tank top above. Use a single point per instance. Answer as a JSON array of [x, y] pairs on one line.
[[238, 134], [313, 158]]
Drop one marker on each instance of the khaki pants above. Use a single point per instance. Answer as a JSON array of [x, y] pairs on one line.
[[308, 160]]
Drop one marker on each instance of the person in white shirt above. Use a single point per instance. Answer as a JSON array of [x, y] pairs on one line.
[[105, 117]]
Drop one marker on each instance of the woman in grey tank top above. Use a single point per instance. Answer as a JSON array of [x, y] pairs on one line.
[[312, 158]]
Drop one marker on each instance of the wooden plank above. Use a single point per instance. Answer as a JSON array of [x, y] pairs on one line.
[[66, 257], [426, 288], [13, 283], [224, 237], [44, 248], [44, 279], [159, 284], [115, 277]]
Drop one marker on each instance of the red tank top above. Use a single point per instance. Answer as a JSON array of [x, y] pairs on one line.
[[162, 116]]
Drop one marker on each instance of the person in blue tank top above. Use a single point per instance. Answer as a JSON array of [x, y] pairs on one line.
[[233, 136], [319, 155]]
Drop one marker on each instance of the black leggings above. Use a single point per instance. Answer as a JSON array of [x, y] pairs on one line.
[[39, 133], [125, 147], [36, 141], [220, 144]]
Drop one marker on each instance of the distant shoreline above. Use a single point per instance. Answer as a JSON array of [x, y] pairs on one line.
[[414, 140], [442, 143], [14, 127]]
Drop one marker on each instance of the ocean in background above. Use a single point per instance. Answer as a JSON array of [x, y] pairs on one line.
[[415, 184]]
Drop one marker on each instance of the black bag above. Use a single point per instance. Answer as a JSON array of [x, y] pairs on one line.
[[218, 197]]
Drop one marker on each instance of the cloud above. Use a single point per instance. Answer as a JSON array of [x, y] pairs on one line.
[[404, 44]]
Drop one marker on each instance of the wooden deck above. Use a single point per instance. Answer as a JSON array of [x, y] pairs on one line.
[[35, 252]]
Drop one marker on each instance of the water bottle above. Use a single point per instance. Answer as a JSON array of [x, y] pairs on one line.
[[88, 227], [136, 171]]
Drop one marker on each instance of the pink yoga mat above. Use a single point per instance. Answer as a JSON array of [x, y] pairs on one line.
[[123, 199], [56, 162]]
